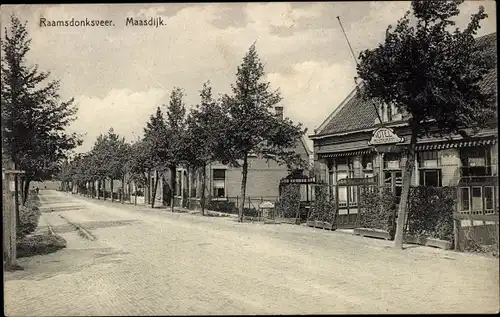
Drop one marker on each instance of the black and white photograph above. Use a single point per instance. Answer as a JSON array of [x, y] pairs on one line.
[[250, 158]]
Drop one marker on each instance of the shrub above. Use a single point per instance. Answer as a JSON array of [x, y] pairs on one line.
[[430, 212], [250, 212], [39, 244], [377, 209], [323, 209], [222, 206], [289, 201], [29, 215]]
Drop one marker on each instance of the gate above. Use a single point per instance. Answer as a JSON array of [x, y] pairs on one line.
[[346, 195]]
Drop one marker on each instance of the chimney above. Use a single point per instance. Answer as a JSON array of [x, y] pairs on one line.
[[279, 112]]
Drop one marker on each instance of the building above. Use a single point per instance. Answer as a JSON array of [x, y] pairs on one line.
[[223, 182], [341, 150]]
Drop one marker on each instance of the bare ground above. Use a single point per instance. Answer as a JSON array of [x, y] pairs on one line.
[[149, 262]]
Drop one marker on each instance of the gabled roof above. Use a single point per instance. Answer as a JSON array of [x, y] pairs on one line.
[[356, 114]]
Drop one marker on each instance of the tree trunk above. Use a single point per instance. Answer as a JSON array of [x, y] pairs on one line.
[[173, 179], [111, 189], [135, 192], [148, 201], [16, 197], [244, 173], [123, 189], [203, 185], [155, 188], [26, 190], [403, 203], [188, 205]]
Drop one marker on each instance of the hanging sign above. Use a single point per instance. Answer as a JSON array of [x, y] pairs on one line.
[[383, 136]]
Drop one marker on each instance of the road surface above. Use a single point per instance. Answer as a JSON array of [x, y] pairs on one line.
[[154, 262]]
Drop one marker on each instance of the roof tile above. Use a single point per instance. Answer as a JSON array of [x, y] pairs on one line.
[[358, 114]]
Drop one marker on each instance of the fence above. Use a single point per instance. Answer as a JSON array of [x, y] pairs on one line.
[[476, 218]]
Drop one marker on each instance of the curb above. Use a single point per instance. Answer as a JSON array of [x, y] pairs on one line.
[[81, 231]]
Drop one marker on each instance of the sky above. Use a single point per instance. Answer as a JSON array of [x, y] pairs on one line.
[[120, 74]]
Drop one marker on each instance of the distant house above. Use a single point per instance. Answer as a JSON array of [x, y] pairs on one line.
[[223, 182], [341, 150]]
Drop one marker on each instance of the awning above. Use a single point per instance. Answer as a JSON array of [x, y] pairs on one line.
[[454, 144], [348, 153]]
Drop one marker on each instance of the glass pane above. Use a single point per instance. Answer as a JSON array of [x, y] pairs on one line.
[[477, 199], [398, 191], [219, 174], [341, 175], [387, 178], [431, 178], [399, 179], [342, 196], [488, 198], [464, 199]]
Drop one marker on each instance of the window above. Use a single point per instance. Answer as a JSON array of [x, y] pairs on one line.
[[389, 113], [475, 162], [391, 161], [394, 179], [428, 159], [464, 199], [219, 182], [367, 162], [430, 178], [488, 199], [345, 169]]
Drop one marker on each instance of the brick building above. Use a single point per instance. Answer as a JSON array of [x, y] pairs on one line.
[[341, 149]]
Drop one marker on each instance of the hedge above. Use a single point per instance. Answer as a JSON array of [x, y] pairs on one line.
[[29, 215], [289, 202], [377, 209], [323, 208], [430, 212]]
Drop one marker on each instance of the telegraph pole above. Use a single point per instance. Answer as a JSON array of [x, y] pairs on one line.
[[9, 176]]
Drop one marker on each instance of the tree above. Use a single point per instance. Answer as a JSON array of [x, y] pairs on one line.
[[253, 128], [176, 122], [431, 74], [156, 145], [139, 164], [33, 118], [204, 135]]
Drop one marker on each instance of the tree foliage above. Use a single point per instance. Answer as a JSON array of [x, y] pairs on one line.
[[252, 126], [33, 117], [432, 74], [176, 124]]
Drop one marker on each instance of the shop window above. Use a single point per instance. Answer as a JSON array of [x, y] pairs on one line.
[[475, 162], [392, 161], [488, 198], [429, 159], [464, 199], [345, 169], [394, 180], [430, 178], [367, 162], [219, 183]]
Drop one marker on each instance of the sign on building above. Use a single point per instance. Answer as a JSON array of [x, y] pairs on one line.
[[385, 136]]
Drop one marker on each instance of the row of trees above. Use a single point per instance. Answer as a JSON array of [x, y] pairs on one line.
[[227, 130], [34, 118]]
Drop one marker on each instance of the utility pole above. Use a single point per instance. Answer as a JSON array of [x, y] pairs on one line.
[[9, 176]]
